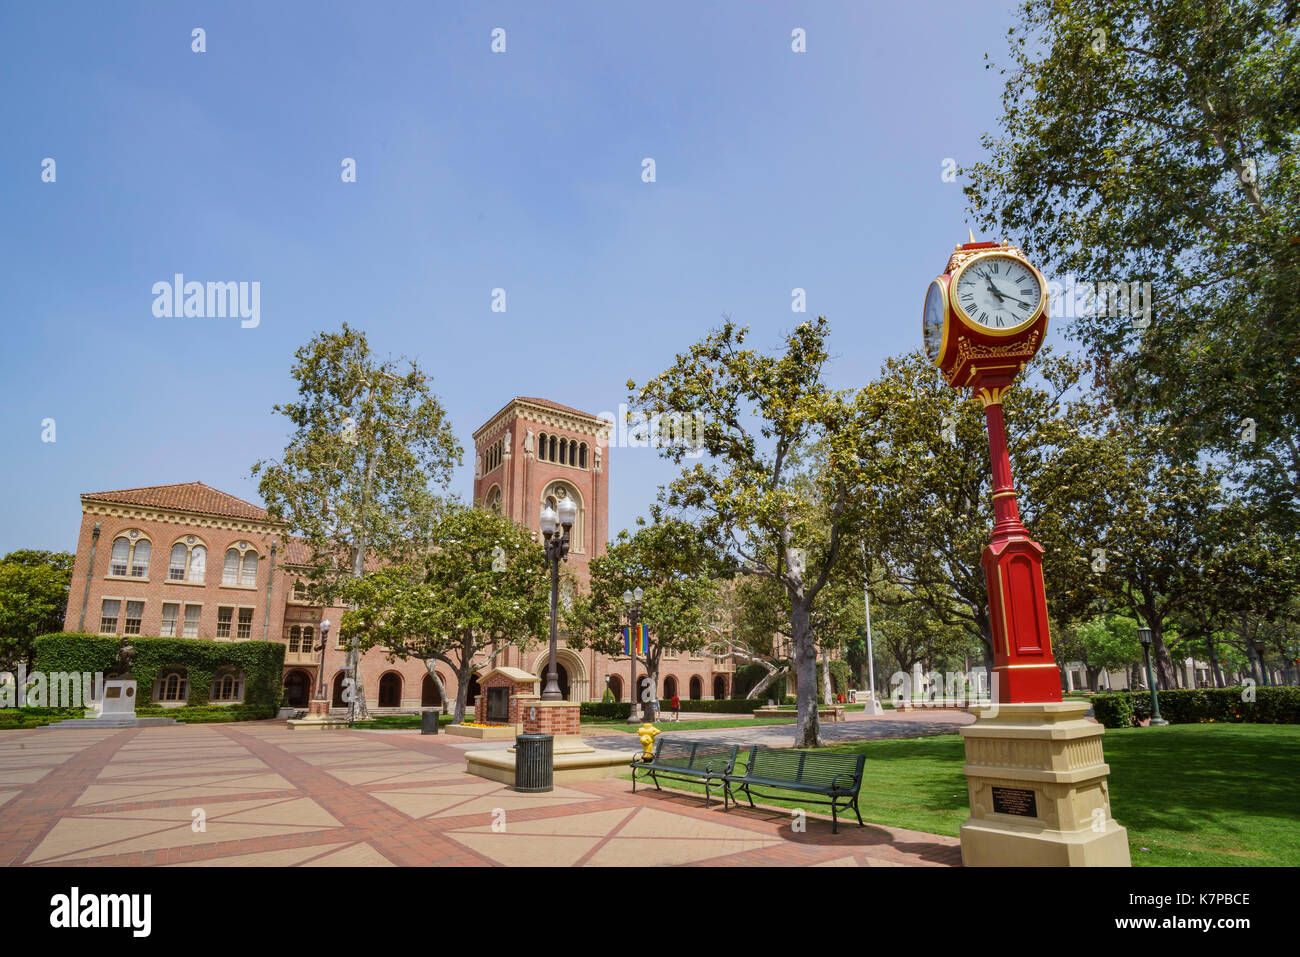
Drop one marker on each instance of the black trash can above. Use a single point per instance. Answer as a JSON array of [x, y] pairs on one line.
[[534, 762], [429, 722]]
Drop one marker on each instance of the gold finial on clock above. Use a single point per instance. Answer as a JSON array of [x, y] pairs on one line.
[[971, 233]]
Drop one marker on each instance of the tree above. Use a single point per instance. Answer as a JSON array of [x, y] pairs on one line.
[[1156, 143], [358, 476], [751, 627], [33, 600], [673, 564], [480, 588], [751, 500], [929, 514]]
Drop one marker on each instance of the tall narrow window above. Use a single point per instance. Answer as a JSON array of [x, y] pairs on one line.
[[582, 455], [295, 633], [300, 590], [121, 551], [170, 612], [308, 640], [140, 559], [108, 617], [230, 570], [224, 616], [245, 629], [551, 452], [176, 567], [192, 613], [248, 569], [198, 563], [134, 612]]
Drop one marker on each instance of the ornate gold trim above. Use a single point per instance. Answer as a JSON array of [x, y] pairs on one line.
[[992, 396], [962, 260]]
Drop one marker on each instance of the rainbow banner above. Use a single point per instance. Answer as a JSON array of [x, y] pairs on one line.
[[640, 636]]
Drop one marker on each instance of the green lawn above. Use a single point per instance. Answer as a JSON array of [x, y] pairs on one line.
[[1193, 794]]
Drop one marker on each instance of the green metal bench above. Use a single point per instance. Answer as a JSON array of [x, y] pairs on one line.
[[681, 760], [836, 777]]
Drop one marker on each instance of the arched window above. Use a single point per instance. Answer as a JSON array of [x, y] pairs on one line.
[[188, 561], [300, 590], [172, 685], [227, 685], [240, 566], [551, 452], [582, 455], [140, 558], [564, 451], [121, 554], [541, 445], [130, 552], [493, 499]]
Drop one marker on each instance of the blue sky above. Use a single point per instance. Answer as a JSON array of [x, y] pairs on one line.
[[475, 170]]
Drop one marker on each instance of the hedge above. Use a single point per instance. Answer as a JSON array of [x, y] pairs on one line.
[[1127, 709], [620, 710], [262, 663]]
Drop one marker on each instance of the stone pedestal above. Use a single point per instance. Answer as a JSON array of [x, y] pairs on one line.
[[318, 718], [870, 703], [561, 719], [116, 709], [1038, 790]]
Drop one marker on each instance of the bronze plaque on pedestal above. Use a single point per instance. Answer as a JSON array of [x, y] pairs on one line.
[[1017, 801]]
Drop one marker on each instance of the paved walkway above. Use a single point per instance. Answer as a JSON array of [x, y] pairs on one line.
[[259, 794]]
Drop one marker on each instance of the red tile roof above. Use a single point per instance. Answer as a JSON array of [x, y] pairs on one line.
[[186, 497]]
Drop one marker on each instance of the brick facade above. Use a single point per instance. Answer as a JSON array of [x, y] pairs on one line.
[[239, 598]]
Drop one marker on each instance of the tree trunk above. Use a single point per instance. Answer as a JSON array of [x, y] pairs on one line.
[[766, 682], [828, 693], [1215, 670], [437, 682], [807, 727], [1164, 664]]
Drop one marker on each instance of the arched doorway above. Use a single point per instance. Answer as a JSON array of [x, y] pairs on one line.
[[616, 687], [571, 671], [474, 691], [719, 687], [430, 697], [337, 700], [297, 689], [390, 690], [670, 687], [697, 688]]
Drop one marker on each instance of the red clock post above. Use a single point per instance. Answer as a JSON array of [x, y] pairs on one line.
[[1034, 764]]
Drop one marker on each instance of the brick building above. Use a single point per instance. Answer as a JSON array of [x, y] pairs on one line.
[[190, 561]]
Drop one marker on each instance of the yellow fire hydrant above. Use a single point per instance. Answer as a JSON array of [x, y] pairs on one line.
[[647, 734]]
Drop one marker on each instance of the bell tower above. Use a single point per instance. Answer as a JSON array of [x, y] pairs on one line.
[[535, 450]]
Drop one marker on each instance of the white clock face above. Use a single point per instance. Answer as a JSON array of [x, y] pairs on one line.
[[998, 292], [932, 321]]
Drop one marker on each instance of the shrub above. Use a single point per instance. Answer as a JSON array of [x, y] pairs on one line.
[[1126, 709], [262, 663], [606, 710], [717, 705]]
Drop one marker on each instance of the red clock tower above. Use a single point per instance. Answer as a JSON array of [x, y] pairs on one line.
[[985, 318]]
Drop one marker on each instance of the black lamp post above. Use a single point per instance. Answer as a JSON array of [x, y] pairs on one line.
[[1144, 636], [324, 640], [632, 601], [556, 524]]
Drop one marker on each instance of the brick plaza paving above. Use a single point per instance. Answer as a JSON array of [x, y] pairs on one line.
[[270, 796]]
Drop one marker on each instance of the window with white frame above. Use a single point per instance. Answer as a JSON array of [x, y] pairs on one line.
[[244, 629], [227, 685], [224, 617], [131, 551], [172, 685], [188, 561], [108, 616], [192, 613], [134, 613], [170, 613], [240, 566]]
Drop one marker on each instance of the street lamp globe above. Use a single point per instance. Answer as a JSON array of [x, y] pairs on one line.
[[549, 521], [639, 593], [568, 512], [1144, 635], [627, 597]]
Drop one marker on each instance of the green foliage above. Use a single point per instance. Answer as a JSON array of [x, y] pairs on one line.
[[1157, 143], [715, 706], [20, 719], [1272, 705], [262, 663], [606, 710], [484, 577], [33, 599], [747, 676]]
